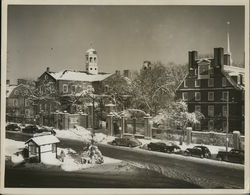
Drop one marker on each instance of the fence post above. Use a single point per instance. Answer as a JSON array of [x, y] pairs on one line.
[[189, 135], [134, 126], [83, 120], [110, 124], [147, 126], [122, 125], [236, 140]]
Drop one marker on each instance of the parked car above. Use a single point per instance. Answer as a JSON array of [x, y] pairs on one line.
[[126, 141], [163, 147], [157, 146], [43, 130], [233, 155], [173, 148], [30, 129], [201, 151], [13, 127]]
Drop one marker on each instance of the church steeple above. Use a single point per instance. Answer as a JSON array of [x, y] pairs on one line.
[[91, 61], [228, 42]]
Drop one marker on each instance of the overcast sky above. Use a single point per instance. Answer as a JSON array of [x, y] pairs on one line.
[[124, 36]]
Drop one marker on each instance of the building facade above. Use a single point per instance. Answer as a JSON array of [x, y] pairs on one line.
[[216, 89], [18, 103], [63, 88]]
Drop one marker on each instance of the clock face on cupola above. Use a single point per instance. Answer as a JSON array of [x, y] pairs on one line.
[[91, 61]]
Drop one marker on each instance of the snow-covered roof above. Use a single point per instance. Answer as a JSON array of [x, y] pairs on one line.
[[44, 140], [233, 70], [91, 51], [9, 89], [78, 76]]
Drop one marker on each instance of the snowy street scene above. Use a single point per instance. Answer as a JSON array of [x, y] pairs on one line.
[[125, 96]]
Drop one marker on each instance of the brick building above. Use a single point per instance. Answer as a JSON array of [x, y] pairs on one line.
[[213, 86], [68, 83]]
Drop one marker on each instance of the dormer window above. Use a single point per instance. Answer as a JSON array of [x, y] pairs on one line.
[[224, 82]]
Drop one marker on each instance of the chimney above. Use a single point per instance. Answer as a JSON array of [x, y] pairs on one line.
[[227, 59], [7, 82], [117, 72], [126, 73], [192, 56], [48, 69], [219, 57]]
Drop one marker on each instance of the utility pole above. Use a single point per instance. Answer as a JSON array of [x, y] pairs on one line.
[[227, 130]]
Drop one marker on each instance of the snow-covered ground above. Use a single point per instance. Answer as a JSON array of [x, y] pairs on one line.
[[71, 161], [82, 134]]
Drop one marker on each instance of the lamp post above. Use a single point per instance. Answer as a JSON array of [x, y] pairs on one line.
[[227, 116]]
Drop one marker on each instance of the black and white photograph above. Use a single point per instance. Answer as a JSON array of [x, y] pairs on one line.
[[131, 96]]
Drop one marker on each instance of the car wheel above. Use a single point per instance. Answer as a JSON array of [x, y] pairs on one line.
[[202, 155], [114, 143], [186, 153], [149, 148], [130, 145]]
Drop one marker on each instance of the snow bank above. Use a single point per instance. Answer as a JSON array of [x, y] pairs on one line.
[[82, 134], [17, 159], [12, 146], [50, 159]]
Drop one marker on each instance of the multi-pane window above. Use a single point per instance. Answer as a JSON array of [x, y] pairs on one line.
[[73, 88], [197, 108], [224, 111], [224, 82], [197, 83], [185, 96], [210, 124], [65, 88], [211, 110], [185, 83], [53, 148], [210, 96], [197, 96], [33, 149], [211, 82], [225, 95]]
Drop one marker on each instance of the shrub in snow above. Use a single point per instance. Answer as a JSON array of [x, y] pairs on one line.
[[95, 155]]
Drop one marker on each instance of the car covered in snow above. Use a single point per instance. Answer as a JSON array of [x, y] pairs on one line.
[[30, 129], [236, 156], [201, 151], [13, 127], [126, 141], [163, 147]]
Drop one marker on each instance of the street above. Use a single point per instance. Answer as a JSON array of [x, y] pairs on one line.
[[192, 172]]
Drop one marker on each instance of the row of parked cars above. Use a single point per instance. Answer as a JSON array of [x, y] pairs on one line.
[[201, 151], [31, 129]]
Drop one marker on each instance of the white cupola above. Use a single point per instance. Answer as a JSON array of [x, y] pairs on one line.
[[91, 61]]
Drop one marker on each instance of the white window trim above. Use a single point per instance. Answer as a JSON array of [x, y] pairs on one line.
[[224, 82], [210, 106], [197, 83], [183, 96], [209, 84], [185, 83], [196, 108], [224, 111], [225, 97], [195, 97], [208, 96], [65, 91]]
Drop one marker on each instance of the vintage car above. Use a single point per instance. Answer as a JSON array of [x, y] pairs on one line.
[[13, 127], [201, 151], [126, 141], [236, 156]]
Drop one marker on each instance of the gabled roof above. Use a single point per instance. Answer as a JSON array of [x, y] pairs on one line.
[[78, 76], [234, 70], [9, 89], [44, 140]]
